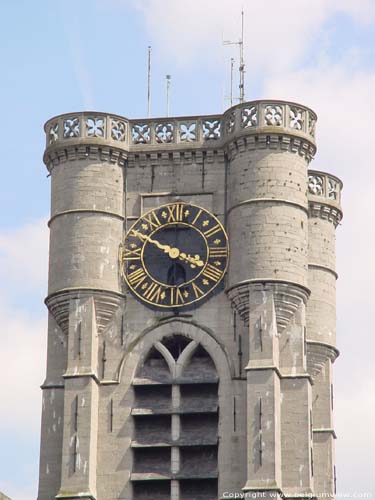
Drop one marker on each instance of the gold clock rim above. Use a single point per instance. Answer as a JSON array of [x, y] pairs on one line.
[[198, 299]]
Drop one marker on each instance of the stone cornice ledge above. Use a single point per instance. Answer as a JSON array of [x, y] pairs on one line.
[[317, 355], [288, 297], [68, 496], [70, 152], [106, 303], [255, 365]]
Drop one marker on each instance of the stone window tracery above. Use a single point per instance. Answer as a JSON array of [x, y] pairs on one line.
[[175, 441]]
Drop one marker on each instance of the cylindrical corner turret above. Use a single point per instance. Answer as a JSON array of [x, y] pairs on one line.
[[85, 160], [267, 204], [324, 198]]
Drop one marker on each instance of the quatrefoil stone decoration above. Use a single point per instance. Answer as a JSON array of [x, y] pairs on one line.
[[141, 133], [273, 115], [249, 117], [71, 128], [296, 118], [211, 129], [95, 127], [315, 185], [164, 132], [118, 130], [188, 132]]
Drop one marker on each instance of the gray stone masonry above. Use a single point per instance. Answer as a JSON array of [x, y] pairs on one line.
[[247, 407]]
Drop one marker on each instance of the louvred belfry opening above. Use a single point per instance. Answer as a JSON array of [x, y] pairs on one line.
[[175, 441]]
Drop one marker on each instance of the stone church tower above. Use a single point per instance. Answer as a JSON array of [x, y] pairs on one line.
[[178, 369]]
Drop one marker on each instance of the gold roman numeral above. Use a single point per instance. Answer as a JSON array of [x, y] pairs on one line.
[[197, 291], [136, 277], [176, 212], [152, 293], [152, 219], [212, 231], [197, 217], [212, 273], [132, 254], [218, 251], [176, 297]]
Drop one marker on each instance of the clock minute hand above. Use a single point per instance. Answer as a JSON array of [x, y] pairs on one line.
[[173, 252]]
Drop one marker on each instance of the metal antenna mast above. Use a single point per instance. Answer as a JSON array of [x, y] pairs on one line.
[[231, 80], [149, 82], [168, 80], [241, 68], [242, 63]]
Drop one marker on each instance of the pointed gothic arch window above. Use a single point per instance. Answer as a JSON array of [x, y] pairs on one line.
[[175, 413]]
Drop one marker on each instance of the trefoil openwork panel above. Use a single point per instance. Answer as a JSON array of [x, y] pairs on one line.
[[71, 127], [95, 126], [118, 130], [164, 132], [187, 131], [273, 115], [211, 129], [141, 133], [249, 117]]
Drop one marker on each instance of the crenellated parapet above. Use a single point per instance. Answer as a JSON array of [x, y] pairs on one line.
[[324, 196]]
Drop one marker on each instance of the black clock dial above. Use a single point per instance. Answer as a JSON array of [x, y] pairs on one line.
[[174, 255]]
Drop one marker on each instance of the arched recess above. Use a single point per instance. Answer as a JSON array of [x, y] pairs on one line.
[[179, 385]]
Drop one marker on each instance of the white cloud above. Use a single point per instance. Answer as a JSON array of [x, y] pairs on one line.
[[277, 33], [23, 358], [23, 272], [24, 255], [23, 265]]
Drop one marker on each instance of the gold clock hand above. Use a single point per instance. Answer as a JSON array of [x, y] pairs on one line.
[[173, 252]]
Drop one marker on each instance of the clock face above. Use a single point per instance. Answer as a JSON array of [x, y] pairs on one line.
[[174, 255]]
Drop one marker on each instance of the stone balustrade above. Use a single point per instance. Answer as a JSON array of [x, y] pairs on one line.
[[188, 132]]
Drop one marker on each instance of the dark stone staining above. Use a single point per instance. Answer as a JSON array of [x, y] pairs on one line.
[[152, 460], [198, 461], [199, 398], [176, 344], [198, 489], [200, 369], [154, 398], [199, 427], [155, 368], [152, 490], [152, 430]]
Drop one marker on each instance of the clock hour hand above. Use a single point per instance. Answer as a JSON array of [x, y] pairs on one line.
[[173, 252]]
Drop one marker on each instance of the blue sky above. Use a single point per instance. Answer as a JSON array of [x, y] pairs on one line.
[[66, 56]]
